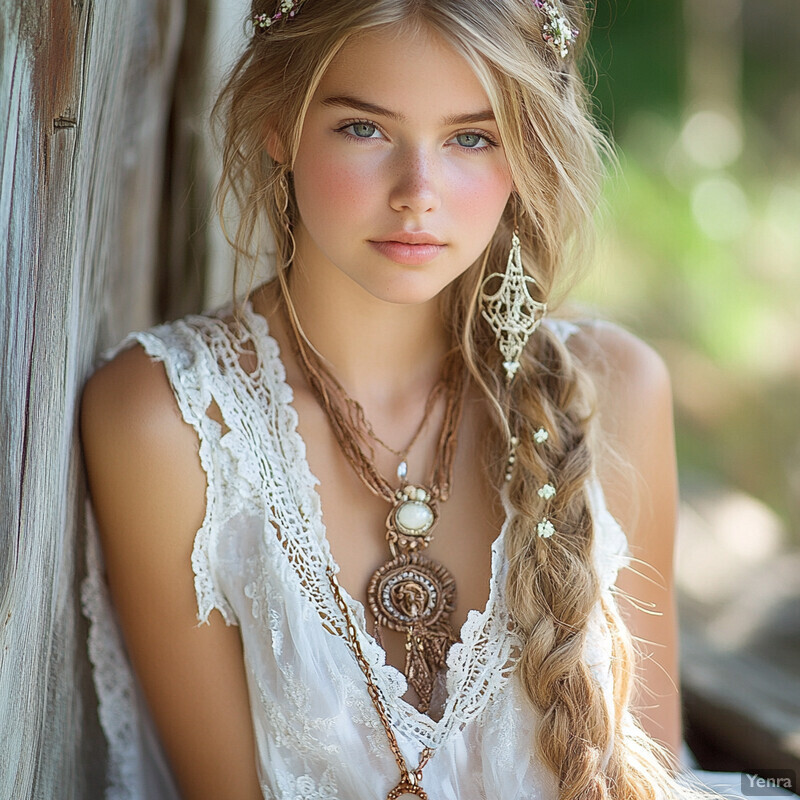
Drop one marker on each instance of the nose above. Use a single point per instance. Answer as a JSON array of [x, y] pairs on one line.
[[416, 183]]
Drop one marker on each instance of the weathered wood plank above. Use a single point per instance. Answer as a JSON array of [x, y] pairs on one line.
[[84, 94]]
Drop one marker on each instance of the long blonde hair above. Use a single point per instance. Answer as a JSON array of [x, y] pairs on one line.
[[556, 156]]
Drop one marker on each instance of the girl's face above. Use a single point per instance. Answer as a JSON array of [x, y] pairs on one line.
[[399, 139]]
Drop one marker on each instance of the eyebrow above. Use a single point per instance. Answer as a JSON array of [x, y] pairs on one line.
[[347, 101]]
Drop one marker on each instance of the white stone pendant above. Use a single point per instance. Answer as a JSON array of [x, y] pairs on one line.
[[410, 522]]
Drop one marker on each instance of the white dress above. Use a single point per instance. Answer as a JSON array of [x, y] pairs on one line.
[[260, 558]]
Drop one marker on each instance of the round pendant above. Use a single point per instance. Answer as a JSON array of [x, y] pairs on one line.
[[414, 518], [411, 519], [409, 591]]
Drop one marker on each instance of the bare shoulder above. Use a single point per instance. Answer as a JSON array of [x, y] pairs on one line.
[[130, 396], [635, 421], [139, 453], [627, 372], [148, 493]]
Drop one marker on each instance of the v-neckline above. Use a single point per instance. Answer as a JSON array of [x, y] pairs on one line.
[[268, 353]]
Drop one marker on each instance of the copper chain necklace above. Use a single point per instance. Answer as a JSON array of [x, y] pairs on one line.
[[409, 593]]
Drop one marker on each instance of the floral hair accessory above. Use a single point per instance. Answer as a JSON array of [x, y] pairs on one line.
[[540, 436], [545, 529], [557, 31], [286, 10], [547, 491]]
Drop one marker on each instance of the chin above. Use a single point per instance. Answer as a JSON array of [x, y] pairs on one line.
[[409, 289]]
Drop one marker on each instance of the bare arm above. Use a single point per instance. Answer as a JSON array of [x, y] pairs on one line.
[[635, 413], [148, 493]]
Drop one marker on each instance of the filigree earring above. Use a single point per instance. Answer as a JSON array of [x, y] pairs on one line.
[[511, 311]]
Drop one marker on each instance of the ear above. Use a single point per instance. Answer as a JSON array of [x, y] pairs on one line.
[[273, 146]]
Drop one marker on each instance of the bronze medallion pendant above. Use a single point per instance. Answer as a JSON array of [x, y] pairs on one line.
[[416, 595]]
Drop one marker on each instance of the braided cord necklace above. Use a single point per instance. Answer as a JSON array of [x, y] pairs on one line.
[[410, 592]]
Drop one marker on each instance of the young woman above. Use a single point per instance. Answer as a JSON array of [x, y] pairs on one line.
[[384, 485]]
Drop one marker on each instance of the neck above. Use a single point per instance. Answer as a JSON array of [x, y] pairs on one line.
[[380, 352]]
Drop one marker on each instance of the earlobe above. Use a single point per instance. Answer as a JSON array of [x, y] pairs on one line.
[[273, 146]]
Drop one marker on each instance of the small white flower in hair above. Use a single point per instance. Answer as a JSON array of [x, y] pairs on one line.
[[547, 491], [540, 436], [545, 528]]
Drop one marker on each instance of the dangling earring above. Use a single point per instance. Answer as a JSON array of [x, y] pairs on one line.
[[511, 311]]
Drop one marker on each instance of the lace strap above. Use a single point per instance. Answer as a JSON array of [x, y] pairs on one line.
[[187, 362], [611, 550], [562, 328]]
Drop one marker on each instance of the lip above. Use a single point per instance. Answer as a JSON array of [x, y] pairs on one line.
[[405, 253], [411, 237], [409, 247]]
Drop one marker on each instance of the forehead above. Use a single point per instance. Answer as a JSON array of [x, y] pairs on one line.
[[412, 73]]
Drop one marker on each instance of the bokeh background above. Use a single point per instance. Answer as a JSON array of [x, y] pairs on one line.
[[700, 255], [700, 252]]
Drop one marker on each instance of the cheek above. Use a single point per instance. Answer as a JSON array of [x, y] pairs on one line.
[[481, 197], [331, 187]]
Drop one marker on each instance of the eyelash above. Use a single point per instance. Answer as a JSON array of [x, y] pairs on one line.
[[481, 134]]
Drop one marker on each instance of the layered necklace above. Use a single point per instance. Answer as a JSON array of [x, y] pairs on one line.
[[409, 593]]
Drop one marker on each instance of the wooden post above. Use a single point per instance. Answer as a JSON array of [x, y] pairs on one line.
[[85, 90]]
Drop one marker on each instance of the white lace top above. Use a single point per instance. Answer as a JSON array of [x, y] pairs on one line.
[[260, 557]]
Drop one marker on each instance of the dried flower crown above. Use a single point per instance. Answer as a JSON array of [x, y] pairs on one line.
[[286, 10], [556, 30]]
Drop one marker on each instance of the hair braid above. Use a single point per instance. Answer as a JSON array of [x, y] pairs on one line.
[[552, 587]]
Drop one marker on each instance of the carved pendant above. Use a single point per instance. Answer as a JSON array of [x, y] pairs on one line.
[[416, 595]]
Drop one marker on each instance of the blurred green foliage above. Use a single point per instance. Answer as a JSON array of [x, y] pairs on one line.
[[700, 249]]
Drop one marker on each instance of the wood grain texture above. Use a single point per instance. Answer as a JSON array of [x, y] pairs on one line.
[[85, 90]]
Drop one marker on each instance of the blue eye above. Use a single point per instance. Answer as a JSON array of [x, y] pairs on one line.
[[358, 128], [475, 137]]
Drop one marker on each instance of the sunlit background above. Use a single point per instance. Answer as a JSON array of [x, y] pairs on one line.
[[700, 256], [700, 253]]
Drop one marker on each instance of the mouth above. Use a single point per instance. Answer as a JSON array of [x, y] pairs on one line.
[[409, 252]]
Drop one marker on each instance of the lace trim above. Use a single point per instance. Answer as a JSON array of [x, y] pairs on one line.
[[262, 460], [180, 348], [478, 667], [111, 672]]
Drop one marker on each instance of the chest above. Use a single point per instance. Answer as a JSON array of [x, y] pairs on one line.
[[355, 519]]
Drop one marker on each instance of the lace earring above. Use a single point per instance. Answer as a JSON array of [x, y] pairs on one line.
[[511, 311]]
